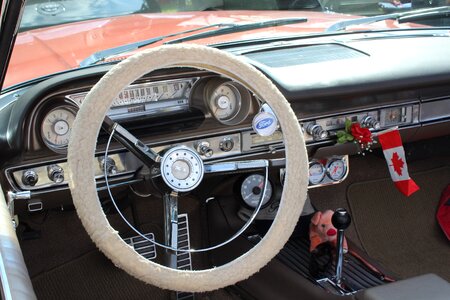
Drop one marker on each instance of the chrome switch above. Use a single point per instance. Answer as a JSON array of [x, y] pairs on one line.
[[203, 148], [30, 177], [370, 122], [55, 173], [316, 131]]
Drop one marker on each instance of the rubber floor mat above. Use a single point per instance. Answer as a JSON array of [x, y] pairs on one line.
[[402, 232]]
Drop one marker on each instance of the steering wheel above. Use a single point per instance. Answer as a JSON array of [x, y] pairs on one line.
[[81, 160]]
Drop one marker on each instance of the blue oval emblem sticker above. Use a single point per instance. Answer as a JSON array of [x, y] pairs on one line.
[[265, 123]]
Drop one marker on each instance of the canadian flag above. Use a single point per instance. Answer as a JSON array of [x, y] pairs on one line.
[[393, 151]]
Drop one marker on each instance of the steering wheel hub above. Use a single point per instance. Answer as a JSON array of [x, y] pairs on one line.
[[182, 169]]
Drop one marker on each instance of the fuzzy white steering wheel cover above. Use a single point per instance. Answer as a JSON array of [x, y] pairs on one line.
[[81, 162]]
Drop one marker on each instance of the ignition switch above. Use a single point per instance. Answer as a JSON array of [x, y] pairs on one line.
[[226, 144]]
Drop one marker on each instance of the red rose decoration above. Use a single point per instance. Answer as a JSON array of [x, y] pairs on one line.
[[362, 135]]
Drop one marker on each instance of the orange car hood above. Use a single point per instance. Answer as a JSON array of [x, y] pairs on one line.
[[58, 48]]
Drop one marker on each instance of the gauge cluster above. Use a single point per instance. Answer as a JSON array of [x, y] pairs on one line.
[[328, 171], [220, 99]]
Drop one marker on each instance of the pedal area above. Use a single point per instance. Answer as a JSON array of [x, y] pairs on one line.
[[143, 246], [146, 248]]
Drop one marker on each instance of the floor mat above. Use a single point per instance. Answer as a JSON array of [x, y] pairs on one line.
[[402, 232], [93, 276]]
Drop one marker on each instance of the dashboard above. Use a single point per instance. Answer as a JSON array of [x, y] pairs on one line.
[[326, 81]]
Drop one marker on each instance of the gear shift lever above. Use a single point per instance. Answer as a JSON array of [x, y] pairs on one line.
[[340, 220]]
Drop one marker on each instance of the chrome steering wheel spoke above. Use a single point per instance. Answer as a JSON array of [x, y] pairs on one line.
[[131, 143]]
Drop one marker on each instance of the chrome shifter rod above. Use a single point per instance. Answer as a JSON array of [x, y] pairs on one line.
[[341, 220]]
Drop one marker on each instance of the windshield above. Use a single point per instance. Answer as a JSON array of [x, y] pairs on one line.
[[60, 35]]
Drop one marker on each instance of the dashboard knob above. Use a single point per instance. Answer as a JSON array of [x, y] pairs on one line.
[[316, 131], [110, 163], [30, 177], [203, 148], [226, 144], [370, 122], [55, 173]]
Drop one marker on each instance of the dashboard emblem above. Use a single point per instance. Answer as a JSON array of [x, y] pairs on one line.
[[265, 123]]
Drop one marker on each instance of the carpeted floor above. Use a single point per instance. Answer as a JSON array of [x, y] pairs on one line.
[[402, 232], [93, 276], [63, 262]]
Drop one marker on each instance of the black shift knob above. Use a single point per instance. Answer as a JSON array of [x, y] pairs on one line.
[[341, 219]]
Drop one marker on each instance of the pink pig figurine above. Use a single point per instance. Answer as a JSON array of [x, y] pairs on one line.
[[321, 230]]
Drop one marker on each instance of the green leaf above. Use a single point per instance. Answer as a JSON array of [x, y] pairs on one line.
[[340, 133], [342, 140], [350, 137], [348, 124]]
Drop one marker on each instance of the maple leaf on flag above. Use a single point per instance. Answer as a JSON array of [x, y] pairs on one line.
[[397, 163]]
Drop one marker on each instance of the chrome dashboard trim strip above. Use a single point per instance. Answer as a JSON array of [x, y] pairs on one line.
[[367, 109]]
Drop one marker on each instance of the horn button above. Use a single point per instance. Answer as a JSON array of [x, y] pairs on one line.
[[182, 169]]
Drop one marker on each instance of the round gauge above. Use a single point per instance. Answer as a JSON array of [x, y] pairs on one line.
[[252, 189], [316, 172], [225, 102], [336, 169], [56, 127]]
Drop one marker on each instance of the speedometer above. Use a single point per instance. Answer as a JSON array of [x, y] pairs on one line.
[[56, 127], [149, 93], [147, 98]]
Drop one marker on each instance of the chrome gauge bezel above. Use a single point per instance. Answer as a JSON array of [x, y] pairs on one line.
[[269, 192], [323, 170], [344, 167], [58, 148], [242, 95]]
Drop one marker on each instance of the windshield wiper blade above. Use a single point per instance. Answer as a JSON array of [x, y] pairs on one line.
[[103, 54], [224, 28], [401, 17], [425, 16], [239, 28]]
